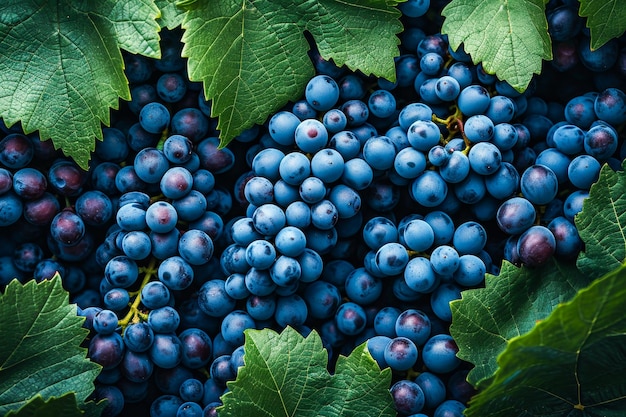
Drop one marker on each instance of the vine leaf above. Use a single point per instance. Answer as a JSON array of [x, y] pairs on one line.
[[252, 56], [171, 13], [285, 375], [66, 406], [485, 320], [606, 19], [40, 353], [62, 67], [602, 224], [570, 364], [509, 37]]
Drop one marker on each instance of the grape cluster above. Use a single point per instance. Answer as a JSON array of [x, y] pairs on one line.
[[359, 211]]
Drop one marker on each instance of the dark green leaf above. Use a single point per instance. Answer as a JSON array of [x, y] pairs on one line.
[[571, 364], [62, 68], [602, 224], [40, 353], [65, 406], [285, 375], [252, 56], [485, 320], [510, 37], [606, 19]]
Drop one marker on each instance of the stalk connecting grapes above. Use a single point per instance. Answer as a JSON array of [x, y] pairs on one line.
[[359, 211]]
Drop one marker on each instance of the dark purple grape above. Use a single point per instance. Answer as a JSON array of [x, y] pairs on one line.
[[67, 228], [16, 151], [66, 178], [536, 245], [29, 183]]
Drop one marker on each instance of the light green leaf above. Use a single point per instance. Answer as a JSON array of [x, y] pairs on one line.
[[484, 320], [285, 375], [40, 353], [358, 387], [602, 224], [571, 364], [606, 19], [65, 406], [62, 67], [509, 37], [252, 56], [171, 14]]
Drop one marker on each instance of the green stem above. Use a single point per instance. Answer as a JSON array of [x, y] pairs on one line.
[[135, 315]]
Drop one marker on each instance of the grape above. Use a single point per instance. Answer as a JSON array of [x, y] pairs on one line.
[[166, 350], [484, 157], [469, 238], [107, 350], [350, 318], [600, 142], [400, 354], [473, 100], [154, 117], [155, 295], [536, 245], [439, 354], [539, 184], [311, 135], [423, 135], [322, 92], [450, 408], [408, 397], [196, 348], [455, 168], [362, 287], [234, 324], [433, 388], [429, 189], [610, 106]]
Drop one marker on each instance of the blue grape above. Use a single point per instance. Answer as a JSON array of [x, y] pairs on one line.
[[67, 228], [408, 397], [413, 324], [440, 300], [539, 184], [447, 88], [583, 171], [385, 321], [171, 87], [391, 258], [568, 241], [28, 183], [442, 225], [196, 247], [136, 245], [176, 182], [601, 141], [429, 189], [234, 324], [423, 135], [579, 111], [379, 152], [294, 168], [501, 109], [176, 273], [350, 318], [322, 299], [155, 295], [610, 106], [312, 265], [569, 139], [471, 270], [484, 158], [346, 200], [433, 388], [357, 174], [356, 112], [444, 259], [136, 367], [473, 100], [214, 300], [190, 207], [192, 389], [121, 271], [290, 241], [573, 204], [376, 347], [439, 354], [455, 168], [322, 92], [311, 136], [261, 308], [450, 408], [154, 117], [166, 350], [400, 354], [334, 120], [419, 275], [515, 215], [105, 322], [503, 182], [285, 271], [504, 136], [362, 287], [190, 123], [469, 238], [164, 320], [164, 245], [381, 103]]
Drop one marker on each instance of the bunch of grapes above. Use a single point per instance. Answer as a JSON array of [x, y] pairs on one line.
[[359, 211]]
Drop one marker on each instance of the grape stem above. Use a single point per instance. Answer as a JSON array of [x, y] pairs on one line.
[[135, 315]]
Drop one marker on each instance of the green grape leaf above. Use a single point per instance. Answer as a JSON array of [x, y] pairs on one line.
[[509, 37], [606, 19], [571, 364], [252, 56], [62, 67], [171, 13], [66, 406], [485, 320], [602, 224], [285, 375], [40, 353]]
